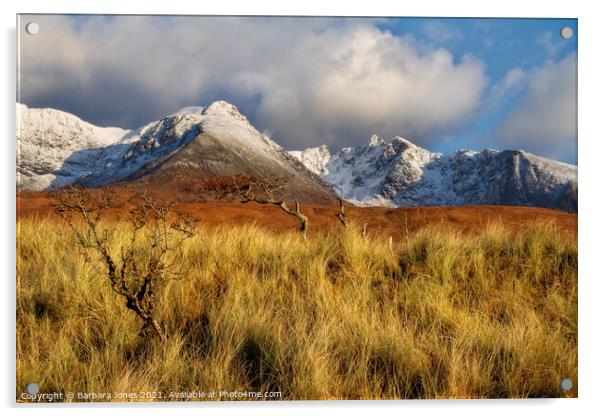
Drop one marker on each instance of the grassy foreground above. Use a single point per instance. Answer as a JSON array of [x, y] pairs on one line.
[[342, 316]]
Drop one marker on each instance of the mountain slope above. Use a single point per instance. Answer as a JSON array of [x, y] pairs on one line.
[[399, 173], [46, 138], [224, 143], [172, 153], [176, 153]]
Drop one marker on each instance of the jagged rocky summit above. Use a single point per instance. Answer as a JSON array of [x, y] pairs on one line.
[[399, 173]]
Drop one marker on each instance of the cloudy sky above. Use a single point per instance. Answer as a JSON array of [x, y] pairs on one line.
[[445, 84]]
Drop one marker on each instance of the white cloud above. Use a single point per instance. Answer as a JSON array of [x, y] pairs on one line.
[[308, 81], [544, 121], [365, 81], [513, 80]]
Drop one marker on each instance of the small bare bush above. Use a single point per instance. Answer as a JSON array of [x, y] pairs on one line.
[[146, 257], [261, 191]]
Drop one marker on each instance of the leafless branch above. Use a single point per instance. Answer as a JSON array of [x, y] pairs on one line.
[[261, 191], [140, 270]]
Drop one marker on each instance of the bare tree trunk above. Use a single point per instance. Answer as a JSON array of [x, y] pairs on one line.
[[147, 317], [297, 213], [158, 330], [155, 326], [246, 188], [341, 215]]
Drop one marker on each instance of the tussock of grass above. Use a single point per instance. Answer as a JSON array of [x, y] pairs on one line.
[[439, 315]]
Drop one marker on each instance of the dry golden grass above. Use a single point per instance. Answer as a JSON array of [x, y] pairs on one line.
[[340, 316]]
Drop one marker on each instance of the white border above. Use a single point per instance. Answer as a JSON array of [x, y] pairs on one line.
[[590, 153]]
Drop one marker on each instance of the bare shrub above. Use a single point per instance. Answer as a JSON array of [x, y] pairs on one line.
[[146, 258], [262, 191]]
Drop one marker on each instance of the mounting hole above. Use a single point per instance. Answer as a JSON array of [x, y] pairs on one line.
[[566, 32], [32, 28], [32, 388], [566, 384]]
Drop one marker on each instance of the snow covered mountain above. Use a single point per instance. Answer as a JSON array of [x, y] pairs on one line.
[[399, 173], [46, 140], [56, 149]]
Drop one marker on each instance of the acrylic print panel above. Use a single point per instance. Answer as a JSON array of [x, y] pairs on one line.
[[295, 208]]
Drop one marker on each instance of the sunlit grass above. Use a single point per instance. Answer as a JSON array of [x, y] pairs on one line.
[[437, 315]]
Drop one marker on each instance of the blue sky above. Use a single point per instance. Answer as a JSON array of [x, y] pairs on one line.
[[446, 84], [503, 44]]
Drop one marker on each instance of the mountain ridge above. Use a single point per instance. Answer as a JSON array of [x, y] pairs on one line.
[[399, 173], [56, 149], [188, 146]]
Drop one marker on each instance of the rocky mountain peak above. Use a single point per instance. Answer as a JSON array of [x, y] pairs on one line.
[[400, 173], [56, 149], [175, 153], [222, 108], [375, 141]]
